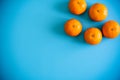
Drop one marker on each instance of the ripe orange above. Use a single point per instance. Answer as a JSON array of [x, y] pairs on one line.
[[111, 29], [77, 6], [119, 30], [73, 27], [98, 12], [93, 36]]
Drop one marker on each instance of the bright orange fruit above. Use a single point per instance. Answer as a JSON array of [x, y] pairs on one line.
[[119, 30], [98, 12], [73, 27], [93, 36], [77, 6], [111, 29]]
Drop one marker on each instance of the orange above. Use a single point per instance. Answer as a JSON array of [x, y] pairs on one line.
[[77, 6], [93, 36], [98, 12], [119, 29], [73, 27], [111, 29]]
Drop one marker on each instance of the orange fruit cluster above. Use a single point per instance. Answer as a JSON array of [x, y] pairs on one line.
[[97, 12]]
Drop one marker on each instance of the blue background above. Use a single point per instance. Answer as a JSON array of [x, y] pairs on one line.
[[35, 47]]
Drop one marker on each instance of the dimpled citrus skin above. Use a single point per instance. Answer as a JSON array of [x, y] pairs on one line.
[[73, 27], [93, 36], [98, 12], [111, 29], [77, 6]]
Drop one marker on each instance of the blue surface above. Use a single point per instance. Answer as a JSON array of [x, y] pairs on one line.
[[35, 47]]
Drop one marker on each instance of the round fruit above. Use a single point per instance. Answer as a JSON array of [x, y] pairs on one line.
[[98, 12], [111, 29], [119, 29], [77, 6], [73, 27], [93, 36]]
